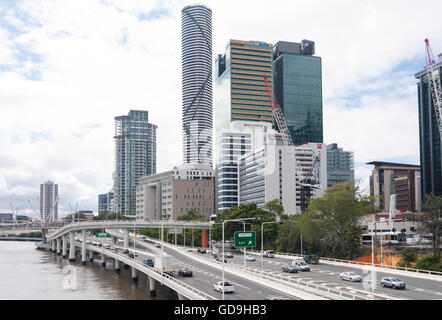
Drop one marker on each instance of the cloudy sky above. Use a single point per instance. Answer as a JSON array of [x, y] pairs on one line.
[[67, 68]]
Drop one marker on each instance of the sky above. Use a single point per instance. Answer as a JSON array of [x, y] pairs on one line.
[[67, 68]]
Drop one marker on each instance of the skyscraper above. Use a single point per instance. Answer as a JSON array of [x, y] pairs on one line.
[[429, 138], [105, 201], [340, 165], [135, 157], [49, 201], [298, 88], [196, 42], [241, 93]]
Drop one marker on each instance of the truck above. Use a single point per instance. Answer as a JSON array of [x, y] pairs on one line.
[[164, 263]]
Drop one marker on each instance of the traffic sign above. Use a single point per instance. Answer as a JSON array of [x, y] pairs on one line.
[[245, 239], [102, 235]]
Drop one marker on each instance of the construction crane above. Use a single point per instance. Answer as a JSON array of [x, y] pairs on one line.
[[307, 181], [433, 78]]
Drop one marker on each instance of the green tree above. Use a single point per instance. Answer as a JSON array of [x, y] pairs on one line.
[[191, 216], [408, 255], [431, 221]]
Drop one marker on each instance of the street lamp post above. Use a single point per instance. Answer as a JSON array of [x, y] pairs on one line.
[[373, 226], [223, 256], [262, 241]]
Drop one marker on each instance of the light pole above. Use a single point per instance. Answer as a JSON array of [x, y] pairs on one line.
[[373, 226], [223, 256], [262, 241]]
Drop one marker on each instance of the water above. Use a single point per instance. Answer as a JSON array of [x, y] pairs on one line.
[[30, 274]]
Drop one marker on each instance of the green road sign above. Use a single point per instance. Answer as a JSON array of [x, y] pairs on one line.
[[102, 235], [245, 239]]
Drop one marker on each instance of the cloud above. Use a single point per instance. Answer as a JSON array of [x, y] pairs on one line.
[[67, 68]]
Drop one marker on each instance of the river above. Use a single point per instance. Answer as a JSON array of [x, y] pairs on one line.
[[30, 274]]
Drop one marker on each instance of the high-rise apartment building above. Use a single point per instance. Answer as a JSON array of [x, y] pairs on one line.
[[49, 201], [135, 157], [297, 82], [429, 137], [197, 88], [340, 165], [241, 93], [105, 202]]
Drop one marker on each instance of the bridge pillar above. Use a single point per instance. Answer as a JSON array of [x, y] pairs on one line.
[[53, 245], [65, 246], [91, 255], [103, 260], [58, 245], [117, 265], [126, 238], [204, 239], [71, 246], [134, 274], [181, 297], [152, 286], [113, 240], [83, 247]]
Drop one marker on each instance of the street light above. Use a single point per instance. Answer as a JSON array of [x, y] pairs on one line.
[[223, 256], [262, 241]]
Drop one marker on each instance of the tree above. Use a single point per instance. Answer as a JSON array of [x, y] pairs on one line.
[[191, 216], [431, 221], [408, 255]]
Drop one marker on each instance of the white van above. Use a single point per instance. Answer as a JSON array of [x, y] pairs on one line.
[[269, 254], [298, 259]]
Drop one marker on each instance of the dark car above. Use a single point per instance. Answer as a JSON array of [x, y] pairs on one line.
[[219, 257], [126, 251], [311, 259], [148, 262], [289, 268], [132, 255], [232, 246], [185, 272], [392, 282], [201, 250]]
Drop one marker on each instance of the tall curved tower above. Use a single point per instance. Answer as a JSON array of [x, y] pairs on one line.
[[197, 87]]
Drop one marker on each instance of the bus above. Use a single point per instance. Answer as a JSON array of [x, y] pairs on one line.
[[387, 238], [213, 218]]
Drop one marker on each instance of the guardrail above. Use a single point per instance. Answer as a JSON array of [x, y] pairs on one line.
[[356, 263], [170, 281]]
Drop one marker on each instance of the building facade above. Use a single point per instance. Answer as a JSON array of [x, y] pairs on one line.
[[340, 165], [105, 202], [135, 157], [408, 191], [383, 179], [241, 93], [49, 201], [429, 137], [298, 89], [242, 137], [197, 87], [171, 194]]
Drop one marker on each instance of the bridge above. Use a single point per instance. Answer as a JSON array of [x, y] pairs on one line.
[[250, 280]]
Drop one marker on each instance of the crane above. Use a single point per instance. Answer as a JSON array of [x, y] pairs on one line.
[[307, 181], [433, 78]]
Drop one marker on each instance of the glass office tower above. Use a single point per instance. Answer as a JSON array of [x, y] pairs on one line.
[[135, 157], [298, 89], [340, 165], [429, 138]]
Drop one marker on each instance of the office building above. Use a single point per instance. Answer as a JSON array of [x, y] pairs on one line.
[[197, 87], [105, 202], [171, 194], [270, 173], [241, 93], [429, 137], [383, 181], [135, 157], [49, 201], [340, 165], [297, 81], [408, 191], [242, 137]]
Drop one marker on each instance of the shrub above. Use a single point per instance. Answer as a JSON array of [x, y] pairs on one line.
[[429, 262]]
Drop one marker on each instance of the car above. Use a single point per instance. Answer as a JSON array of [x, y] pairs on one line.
[[392, 282], [289, 268], [350, 276], [185, 272], [148, 262], [232, 246], [126, 251], [107, 246], [157, 245], [219, 257], [269, 254], [229, 254], [301, 265], [227, 288], [250, 258], [311, 259], [99, 244], [201, 250], [132, 254]]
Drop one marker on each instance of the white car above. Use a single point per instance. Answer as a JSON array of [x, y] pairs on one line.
[[227, 287], [229, 254], [302, 266], [250, 258], [350, 276]]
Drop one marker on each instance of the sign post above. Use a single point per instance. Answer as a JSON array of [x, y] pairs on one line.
[[245, 239]]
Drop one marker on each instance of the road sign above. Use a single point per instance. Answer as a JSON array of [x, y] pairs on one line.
[[245, 239], [102, 235]]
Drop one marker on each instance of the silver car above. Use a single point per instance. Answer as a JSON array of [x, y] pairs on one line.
[[392, 282], [350, 276]]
